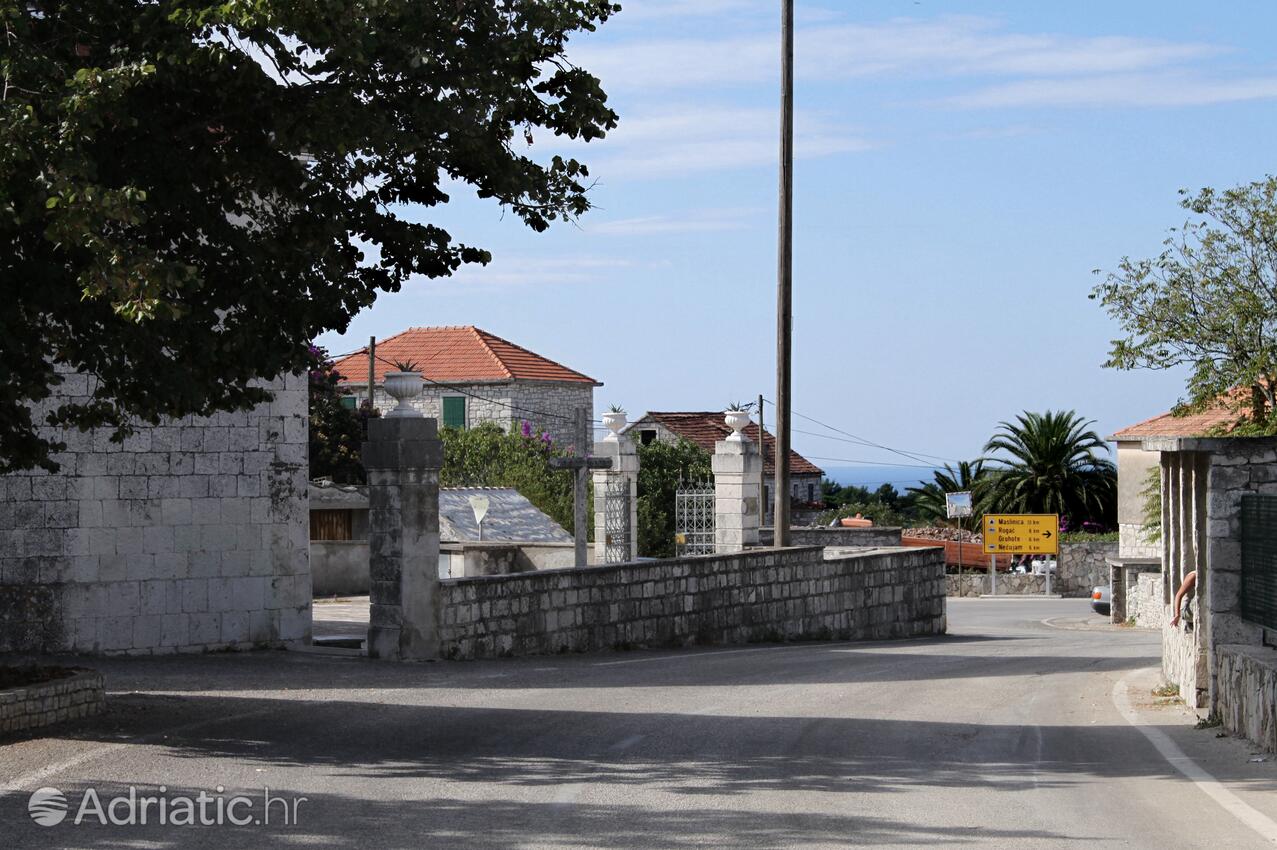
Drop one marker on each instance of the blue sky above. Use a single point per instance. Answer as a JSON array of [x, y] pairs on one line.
[[962, 169]]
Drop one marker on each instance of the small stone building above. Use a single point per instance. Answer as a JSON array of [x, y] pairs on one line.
[[188, 536], [473, 376], [705, 428]]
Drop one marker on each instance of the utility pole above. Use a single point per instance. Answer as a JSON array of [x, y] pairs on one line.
[[785, 272], [372, 369], [762, 474]]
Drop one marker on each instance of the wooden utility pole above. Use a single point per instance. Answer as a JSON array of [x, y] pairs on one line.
[[372, 369], [785, 272], [762, 467]]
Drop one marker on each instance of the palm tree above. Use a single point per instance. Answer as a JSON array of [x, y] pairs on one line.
[[928, 500], [1051, 463]]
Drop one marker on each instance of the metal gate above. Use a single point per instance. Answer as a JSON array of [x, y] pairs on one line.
[[694, 519], [616, 520]]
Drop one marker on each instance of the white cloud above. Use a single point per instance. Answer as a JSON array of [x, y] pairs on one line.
[[948, 46], [1128, 90], [697, 139], [513, 270], [695, 221]]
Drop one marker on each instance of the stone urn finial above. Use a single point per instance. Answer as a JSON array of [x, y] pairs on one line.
[[404, 385], [614, 421], [737, 419]]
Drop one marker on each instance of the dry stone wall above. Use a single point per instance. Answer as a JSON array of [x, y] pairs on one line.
[[1246, 679], [188, 536], [757, 595]]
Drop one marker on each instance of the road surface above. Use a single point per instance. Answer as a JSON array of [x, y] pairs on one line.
[[1005, 733]]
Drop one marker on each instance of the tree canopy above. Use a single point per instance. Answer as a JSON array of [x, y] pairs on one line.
[[1050, 463], [192, 191], [1208, 302]]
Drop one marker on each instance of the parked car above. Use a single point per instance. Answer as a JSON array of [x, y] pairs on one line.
[[1100, 600]]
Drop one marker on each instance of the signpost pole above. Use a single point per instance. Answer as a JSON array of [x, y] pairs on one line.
[[1048, 574], [993, 575]]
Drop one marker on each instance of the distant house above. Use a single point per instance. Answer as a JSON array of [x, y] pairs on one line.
[[473, 376], [1134, 463], [704, 428], [516, 537]]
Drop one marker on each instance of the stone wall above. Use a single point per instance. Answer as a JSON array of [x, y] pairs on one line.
[[484, 402], [1082, 568], [1246, 681], [46, 703], [1144, 601], [758, 595], [1010, 584], [190, 535], [875, 536], [339, 567]]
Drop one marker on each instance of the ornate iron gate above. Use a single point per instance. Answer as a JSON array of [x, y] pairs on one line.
[[616, 520], [694, 519]]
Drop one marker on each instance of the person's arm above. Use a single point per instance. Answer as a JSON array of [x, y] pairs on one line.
[[1190, 581]]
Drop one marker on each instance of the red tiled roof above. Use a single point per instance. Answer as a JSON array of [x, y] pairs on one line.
[[458, 355], [1224, 412], [704, 428]]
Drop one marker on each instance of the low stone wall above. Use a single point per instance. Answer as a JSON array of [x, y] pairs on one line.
[[758, 595], [1082, 568], [1144, 601], [1246, 692], [874, 536], [1011, 584], [35, 706]]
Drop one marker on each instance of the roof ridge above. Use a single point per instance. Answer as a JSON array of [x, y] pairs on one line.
[[482, 336]]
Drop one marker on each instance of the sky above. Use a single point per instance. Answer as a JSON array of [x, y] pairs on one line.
[[962, 170]]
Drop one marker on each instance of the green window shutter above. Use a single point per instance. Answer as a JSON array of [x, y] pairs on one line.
[[349, 402], [454, 412]]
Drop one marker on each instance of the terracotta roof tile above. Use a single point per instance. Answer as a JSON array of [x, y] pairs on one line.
[[704, 428], [458, 355], [1224, 412]]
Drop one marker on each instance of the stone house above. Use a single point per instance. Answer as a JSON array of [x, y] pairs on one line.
[[473, 376], [188, 536], [1136, 588], [705, 428]]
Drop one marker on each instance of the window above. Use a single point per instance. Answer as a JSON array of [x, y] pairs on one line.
[[647, 437], [349, 402], [454, 411], [811, 492]]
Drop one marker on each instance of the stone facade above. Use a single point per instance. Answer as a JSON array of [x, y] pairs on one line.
[[547, 405], [46, 703], [189, 536], [736, 465], [1246, 679], [1144, 601], [758, 595], [1133, 465]]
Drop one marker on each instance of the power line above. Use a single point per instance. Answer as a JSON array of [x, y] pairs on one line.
[[873, 462], [858, 440]]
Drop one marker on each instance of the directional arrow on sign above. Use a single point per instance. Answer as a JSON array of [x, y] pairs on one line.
[[1047, 535]]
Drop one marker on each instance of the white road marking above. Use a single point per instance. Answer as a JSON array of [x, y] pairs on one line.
[[831, 646], [626, 743], [1205, 782]]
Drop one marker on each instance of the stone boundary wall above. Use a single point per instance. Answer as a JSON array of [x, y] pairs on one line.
[[43, 704], [1184, 664], [874, 536], [1009, 584], [1246, 692], [1082, 568], [758, 595]]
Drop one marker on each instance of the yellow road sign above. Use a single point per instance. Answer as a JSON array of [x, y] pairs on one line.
[[1021, 534]]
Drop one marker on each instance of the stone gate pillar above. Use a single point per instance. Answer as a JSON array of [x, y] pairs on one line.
[[402, 457], [736, 464], [620, 449]]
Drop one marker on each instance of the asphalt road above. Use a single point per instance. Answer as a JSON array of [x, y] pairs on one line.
[[1005, 733]]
